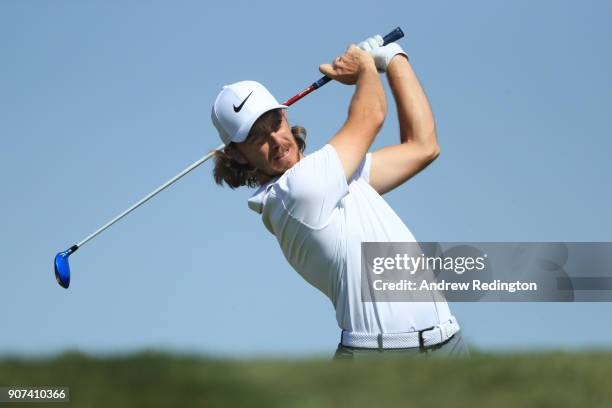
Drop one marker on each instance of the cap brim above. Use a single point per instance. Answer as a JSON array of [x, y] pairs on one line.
[[243, 132]]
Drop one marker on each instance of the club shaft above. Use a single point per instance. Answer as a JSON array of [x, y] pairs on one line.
[[394, 35], [150, 195]]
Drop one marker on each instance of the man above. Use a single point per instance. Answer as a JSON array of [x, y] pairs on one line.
[[322, 206]]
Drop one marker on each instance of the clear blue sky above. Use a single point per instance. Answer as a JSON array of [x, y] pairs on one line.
[[100, 102]]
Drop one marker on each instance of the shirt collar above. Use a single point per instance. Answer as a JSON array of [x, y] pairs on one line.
[[257, 200]]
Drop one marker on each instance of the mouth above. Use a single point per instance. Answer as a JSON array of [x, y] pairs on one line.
[[282, 154]]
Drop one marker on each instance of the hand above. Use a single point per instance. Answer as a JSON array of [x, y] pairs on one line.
[[382, 54], [349, 66]]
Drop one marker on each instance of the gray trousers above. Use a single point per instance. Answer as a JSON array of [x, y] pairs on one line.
[[453, 347]]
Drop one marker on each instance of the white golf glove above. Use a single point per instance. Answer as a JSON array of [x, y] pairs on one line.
[[382, 54]]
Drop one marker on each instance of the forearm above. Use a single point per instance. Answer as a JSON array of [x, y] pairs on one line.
[[368, 105], [414, 112], [367, 109]]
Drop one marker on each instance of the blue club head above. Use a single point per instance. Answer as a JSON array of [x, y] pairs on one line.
[[62, 267]]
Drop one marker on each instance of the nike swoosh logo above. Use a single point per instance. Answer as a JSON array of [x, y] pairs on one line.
[[237, 108]]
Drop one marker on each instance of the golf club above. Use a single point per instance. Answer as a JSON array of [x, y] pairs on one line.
[[61, 265]]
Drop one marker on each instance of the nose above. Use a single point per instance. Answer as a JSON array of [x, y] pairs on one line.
[[274, 139]]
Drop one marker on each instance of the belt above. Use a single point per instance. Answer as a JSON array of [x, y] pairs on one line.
[[422, 338]]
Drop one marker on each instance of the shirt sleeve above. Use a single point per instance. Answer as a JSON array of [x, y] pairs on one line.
[[312, 189], [363, 171]]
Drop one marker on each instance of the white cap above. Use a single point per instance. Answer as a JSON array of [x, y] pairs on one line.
[[238, 106]]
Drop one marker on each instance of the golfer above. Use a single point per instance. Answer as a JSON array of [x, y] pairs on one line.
[[321, 206]]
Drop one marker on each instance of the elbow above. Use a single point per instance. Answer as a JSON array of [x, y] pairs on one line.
[[430, 152], [431, 147], [433, 152]]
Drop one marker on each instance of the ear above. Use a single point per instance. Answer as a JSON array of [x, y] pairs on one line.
[[235, 154]]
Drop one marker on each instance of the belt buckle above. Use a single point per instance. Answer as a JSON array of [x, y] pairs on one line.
[[421, 340]]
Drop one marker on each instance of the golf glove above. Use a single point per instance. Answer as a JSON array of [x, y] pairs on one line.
[[382, 54]]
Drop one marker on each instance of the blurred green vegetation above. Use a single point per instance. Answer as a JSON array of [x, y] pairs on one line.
[[151, 379]]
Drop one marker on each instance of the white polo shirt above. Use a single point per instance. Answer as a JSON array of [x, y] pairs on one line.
[[320, 221]]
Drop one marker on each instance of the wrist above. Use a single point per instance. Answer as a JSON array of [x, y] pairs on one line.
[[388, 53], [368, 68], [397, 63]]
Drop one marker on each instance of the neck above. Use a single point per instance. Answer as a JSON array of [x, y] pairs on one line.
[[263, 178]]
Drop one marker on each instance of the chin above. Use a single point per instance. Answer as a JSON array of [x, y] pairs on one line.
[[284, 165], [280, 170]]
